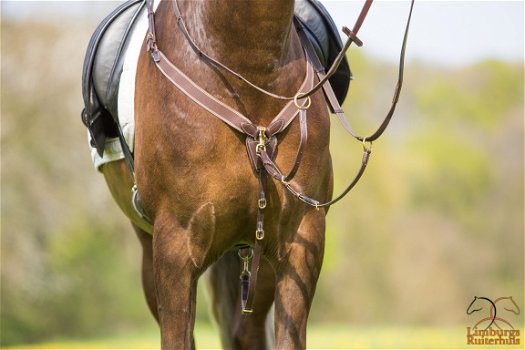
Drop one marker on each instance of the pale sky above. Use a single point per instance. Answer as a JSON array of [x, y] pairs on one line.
[[442, 32]]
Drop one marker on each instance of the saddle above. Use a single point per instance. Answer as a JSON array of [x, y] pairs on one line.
[[106, 50], [102, 69]]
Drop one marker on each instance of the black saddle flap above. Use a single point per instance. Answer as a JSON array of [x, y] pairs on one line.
[[102, 69], [105, 54]]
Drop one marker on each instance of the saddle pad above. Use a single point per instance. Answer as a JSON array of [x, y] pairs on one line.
[[126, 96]]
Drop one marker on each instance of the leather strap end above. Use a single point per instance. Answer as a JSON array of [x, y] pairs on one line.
[[352, 36], [155, 55]]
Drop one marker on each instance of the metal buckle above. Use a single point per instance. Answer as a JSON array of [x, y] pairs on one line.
[[261, 146], [246, 261], [262, 203], [245, 277]]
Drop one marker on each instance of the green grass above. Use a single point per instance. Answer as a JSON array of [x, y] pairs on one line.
[[336, 336]]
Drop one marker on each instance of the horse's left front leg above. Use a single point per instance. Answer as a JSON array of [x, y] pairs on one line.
[[297, 275]]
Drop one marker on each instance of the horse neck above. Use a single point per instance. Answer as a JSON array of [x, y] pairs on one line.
[[251, 37]]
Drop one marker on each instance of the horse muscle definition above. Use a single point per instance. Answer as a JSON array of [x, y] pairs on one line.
[[199, 188]]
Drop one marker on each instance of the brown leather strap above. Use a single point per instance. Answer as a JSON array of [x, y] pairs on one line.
[[352, 37], [273, 170], [302, 145], [353, 33], [397, 91], [399, 84], [249, 280], [222, 111]]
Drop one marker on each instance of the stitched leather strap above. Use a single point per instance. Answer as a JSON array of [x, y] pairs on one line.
[[327, 88], [273, 170], [302, 145], [222, 111], [352, 37]]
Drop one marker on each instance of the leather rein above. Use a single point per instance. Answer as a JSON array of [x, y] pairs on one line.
[[261, 142]]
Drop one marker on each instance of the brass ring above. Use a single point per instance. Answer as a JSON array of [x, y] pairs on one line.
[[259, 234], [247, 257], [306, 105]]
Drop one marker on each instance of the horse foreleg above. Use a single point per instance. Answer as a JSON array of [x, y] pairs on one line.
[[238, 331], [175, 281], [297, 275], [179, 257]]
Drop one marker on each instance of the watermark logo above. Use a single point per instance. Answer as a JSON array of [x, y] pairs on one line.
[[491, 324]]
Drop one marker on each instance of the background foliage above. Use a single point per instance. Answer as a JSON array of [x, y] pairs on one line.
[[437, 219]]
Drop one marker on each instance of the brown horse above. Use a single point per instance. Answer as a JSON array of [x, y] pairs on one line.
[[198, 186]]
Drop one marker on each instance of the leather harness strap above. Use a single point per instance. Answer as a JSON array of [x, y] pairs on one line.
[[261, 142], [352, 37], [222, 111], [273, 169]]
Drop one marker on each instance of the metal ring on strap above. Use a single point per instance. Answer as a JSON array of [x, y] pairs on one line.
[[305, 105]]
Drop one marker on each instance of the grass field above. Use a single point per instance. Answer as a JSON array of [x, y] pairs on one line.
[[319, 337]]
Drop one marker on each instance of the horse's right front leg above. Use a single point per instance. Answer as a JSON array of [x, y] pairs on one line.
[[297, 275], [176, 282]]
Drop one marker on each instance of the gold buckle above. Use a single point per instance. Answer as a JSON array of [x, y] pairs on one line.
[[261, 146]]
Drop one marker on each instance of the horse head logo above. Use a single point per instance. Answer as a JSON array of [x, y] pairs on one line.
[[510, 305], [492, 319], [479, 304]]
